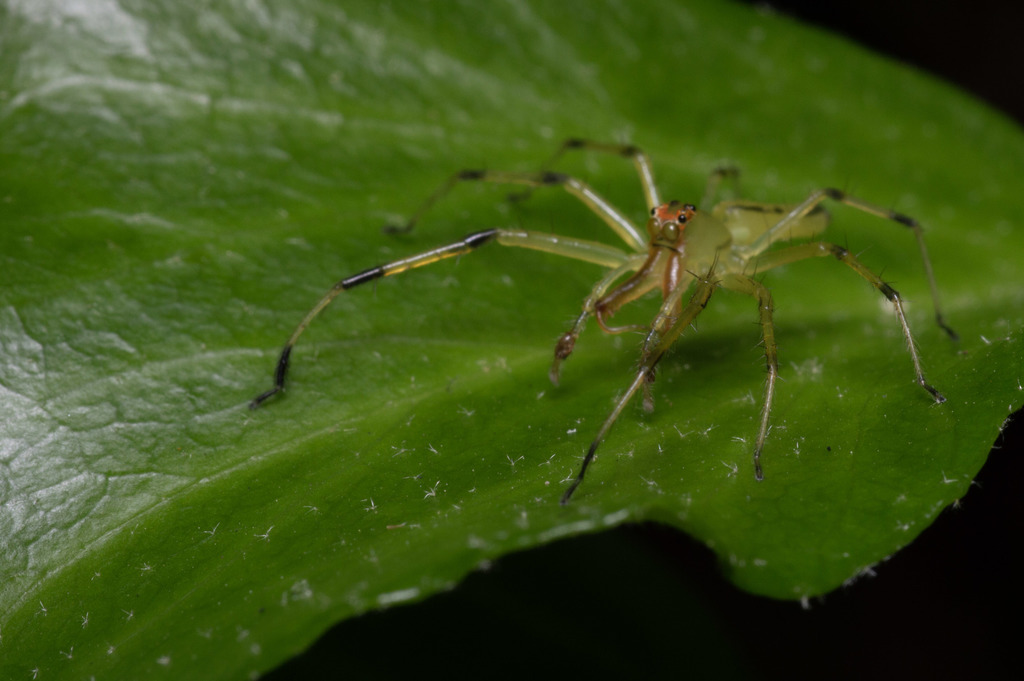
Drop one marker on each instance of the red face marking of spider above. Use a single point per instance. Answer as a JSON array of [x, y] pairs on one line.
[[686, 255], [673, 212], [667, 223]]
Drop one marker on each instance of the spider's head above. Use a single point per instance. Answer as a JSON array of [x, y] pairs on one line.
[[667, 223]]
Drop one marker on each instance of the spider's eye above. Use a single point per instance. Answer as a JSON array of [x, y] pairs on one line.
[[654, 211], [652, 227], [670, 232]]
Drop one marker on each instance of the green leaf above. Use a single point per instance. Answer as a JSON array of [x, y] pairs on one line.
[[177, 189]]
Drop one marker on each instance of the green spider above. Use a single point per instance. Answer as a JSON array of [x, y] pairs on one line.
[[683, 249]]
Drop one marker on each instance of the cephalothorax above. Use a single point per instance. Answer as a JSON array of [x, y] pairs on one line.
[[686, 254]]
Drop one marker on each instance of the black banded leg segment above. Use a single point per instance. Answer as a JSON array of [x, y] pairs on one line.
[[779, 230], [640, 161], [915, 227], [822, 249], [577, 249], [614, 218], [658, 341], [715, 179], [765, 308], [464, 245], [438, 194]]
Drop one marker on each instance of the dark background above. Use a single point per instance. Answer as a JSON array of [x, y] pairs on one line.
[[646, 601], [976, 45]]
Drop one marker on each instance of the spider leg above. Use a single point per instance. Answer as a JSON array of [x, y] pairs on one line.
[[577, 249], [567, 341], [664, 332], [615, 219], [670, 310], [639, 158], [715, 179], [780, 229], [643, 168], [822, 249], [752, 287]]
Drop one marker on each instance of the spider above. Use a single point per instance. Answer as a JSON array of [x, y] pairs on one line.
[[683, 248]]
